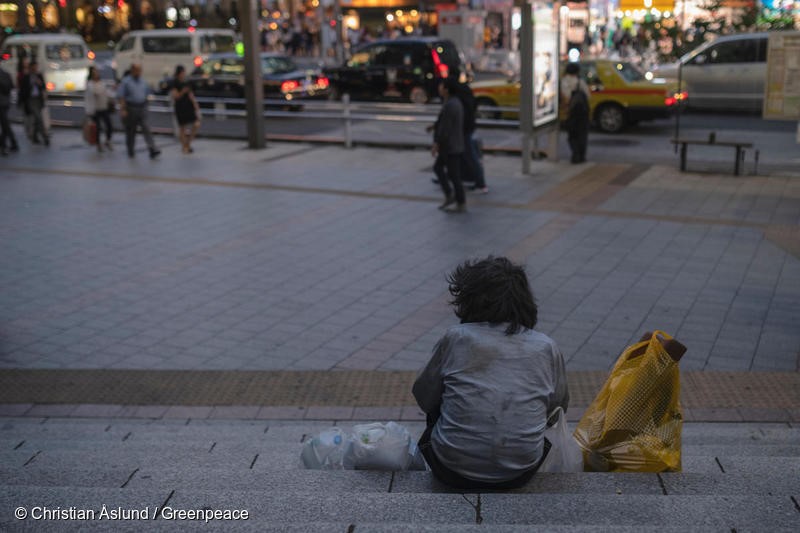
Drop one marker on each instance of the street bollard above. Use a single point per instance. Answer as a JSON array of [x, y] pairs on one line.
[[348, 123]]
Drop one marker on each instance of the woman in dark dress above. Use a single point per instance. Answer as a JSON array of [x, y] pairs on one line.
[[187, 113]]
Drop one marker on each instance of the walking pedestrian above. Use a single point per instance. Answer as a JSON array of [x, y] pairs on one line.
[[97, 105], [132, 94], [33, 95], [187, 112], [576, 93], [471, 164], [6, 84], [448, 147]]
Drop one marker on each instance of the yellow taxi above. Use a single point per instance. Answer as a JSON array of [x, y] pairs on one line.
[[621, 95]]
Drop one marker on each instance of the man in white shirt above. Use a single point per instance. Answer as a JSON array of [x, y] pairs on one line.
[[132, 94]]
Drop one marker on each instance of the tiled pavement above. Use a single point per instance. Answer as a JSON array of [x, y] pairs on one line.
[[301, 257]]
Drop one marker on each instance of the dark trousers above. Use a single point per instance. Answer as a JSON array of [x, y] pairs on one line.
[[36, 107], [5, 130], [454, 479], [448, 170], [137, 116], [102, 119], [471, 165], [578, 140]]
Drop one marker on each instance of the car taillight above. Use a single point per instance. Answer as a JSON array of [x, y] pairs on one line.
[[441, 69], [90, 55], [198, 61], [323, 82], [50, 86], [673, 99], [6, 57], [289, 86]]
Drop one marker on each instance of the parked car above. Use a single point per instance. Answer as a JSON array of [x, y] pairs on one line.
[[159, 51], [63, 59], [621, 95], [726, 73], [222, 76], [406, 69]]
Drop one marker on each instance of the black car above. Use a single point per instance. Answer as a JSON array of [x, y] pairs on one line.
[[406, 69], [222, 76]]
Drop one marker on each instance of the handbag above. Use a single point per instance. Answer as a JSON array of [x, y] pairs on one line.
[[89, 131]]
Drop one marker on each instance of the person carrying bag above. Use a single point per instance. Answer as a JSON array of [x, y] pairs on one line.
[[98, 118]]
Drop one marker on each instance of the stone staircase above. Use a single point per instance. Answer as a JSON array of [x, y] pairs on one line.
[[737, 477]]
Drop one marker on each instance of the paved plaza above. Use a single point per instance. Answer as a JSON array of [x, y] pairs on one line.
[[172, 331], [305, 257]]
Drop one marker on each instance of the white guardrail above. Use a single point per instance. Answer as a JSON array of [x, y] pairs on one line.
[[345, 111]]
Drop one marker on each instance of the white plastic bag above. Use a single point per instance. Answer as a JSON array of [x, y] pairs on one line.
[[326, 450], [565, 454], [378, 446]]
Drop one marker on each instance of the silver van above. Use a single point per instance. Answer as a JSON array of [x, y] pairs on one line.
[[726, 73], [160, 51]]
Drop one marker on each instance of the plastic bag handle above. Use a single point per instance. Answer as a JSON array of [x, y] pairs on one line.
[[637, 350], [558, 414]]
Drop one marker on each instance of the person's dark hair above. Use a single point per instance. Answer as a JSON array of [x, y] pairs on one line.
[[572, 68], [179, 69], [493, 290], [452, 85]]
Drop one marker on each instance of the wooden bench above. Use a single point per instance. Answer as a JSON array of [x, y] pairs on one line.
[[740, 146]]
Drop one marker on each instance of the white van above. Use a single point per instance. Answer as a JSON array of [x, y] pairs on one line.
[[63, 59], [160, 51]]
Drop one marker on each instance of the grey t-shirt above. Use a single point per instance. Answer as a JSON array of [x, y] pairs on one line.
[[494, 392]]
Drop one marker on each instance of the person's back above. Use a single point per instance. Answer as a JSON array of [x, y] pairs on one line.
[[578, 111], [491, 382], [6, 84], [498, 391], [449, 131]]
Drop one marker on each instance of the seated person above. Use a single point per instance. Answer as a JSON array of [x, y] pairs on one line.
[[491, 382]]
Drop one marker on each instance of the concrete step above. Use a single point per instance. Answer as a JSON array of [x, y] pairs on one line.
[[190, 476], [711, 512], [749, 450], [12, 430], [698, 439]]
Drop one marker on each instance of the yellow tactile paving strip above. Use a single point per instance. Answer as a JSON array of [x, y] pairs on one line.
[[352, 388]]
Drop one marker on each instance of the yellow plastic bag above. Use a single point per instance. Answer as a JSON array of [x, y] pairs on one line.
[[635, 422]]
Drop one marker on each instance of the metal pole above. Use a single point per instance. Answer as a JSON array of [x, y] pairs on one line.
[[526, 81], [341, 32], [348, 123], [254, 85], [679, 103]]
